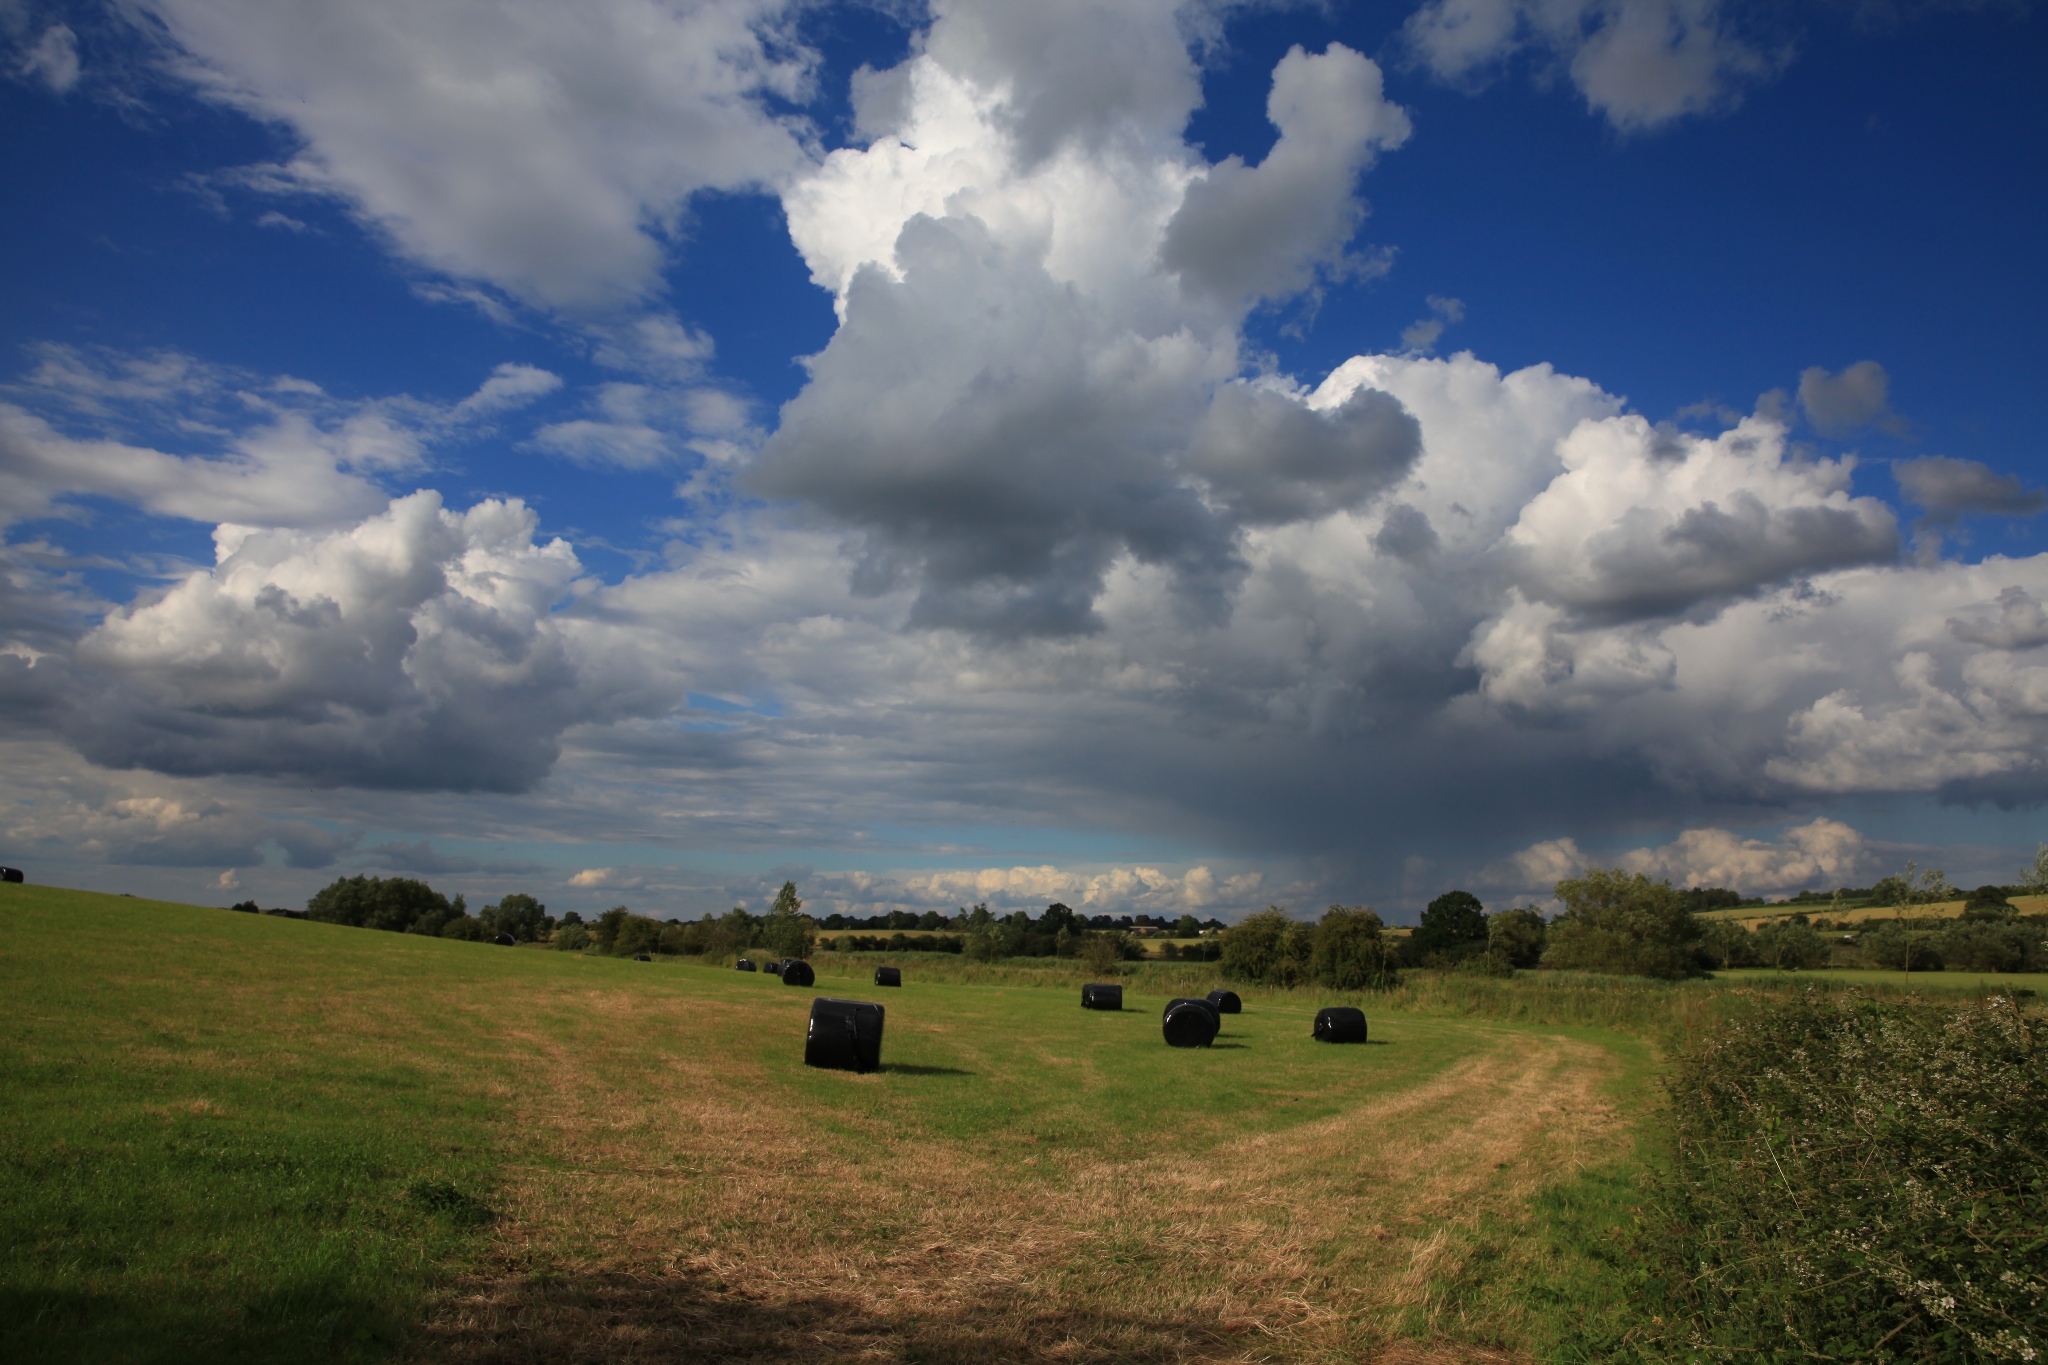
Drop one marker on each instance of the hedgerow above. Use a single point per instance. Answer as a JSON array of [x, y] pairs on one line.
[[1858, 1180]]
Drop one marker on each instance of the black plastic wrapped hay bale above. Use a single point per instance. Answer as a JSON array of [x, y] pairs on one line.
[[797, 972], [845, 1035], [1226, 1002], [10, 874], [642, 957], [888, 976], [1340, 1024], [745, 964], [506, 941], [1100, 997], [1189, 1022], [775, 968]]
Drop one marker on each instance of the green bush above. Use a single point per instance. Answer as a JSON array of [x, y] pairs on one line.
[[1858, 1181], [1623, 923], [571, 938]]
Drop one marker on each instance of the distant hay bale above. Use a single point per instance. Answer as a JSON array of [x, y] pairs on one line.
[[1340, 1024], [505, 941], [1226, 1002], [797, 972], [845, 1035], [642, 957], [1189, 1022], [775, 968], [10, 874], [888, 976], [1100, 997], [745, 964]]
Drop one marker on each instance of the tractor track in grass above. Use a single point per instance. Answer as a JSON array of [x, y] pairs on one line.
[[765, 1236]]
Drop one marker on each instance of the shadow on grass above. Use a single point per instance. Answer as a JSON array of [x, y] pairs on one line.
[[905, 1069], [319, 1320], [603, 1319]]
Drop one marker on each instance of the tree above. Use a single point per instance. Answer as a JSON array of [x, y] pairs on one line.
[[787, 931], [571, 938], [1515, 938], [518, 914], [1453, 926], [393, 903], [1897, 948], [734, 931], [2034, 876], [1912, 887], [1269, 947], [1348, 953], [637, 934], [1621, 922], [606, 930], [1790, 945], [1729, 944]]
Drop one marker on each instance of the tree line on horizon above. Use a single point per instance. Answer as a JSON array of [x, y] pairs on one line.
[[1610, 920]]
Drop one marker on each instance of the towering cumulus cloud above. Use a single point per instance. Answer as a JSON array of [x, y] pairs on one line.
[[1038, 367]]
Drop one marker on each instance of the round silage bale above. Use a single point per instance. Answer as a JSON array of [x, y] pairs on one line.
[[1102, 997], [888, 976], [1226, 1002], [745, 964], [797, 972], [1189, 1022], [844, 1035], [1340, 1024]]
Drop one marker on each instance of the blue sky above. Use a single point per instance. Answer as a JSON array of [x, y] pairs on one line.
[[956, 453]]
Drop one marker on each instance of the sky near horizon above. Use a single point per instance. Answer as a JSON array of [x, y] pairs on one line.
[[1153, 456]]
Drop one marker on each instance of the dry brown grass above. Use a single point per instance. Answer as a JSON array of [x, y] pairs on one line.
[[706, 1213]]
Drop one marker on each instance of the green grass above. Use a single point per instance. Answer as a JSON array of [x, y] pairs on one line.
[[1919, 983], [236, 1137], [212, 1126]]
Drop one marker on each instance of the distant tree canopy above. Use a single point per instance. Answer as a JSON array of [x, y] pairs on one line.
[[518, 914], [1516, 938], [393, 903], [1453, 926], [1345, 951], [1348, 953], [1624, 923], [1697, 900], [787, 931]]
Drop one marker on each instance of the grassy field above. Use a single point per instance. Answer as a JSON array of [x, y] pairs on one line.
[[236, 1137]]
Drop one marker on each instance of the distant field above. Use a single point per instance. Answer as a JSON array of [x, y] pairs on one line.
[[1758, 914], [234, 1137], [1916, 981]]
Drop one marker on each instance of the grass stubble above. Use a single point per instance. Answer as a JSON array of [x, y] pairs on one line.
[[251, 1109]]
